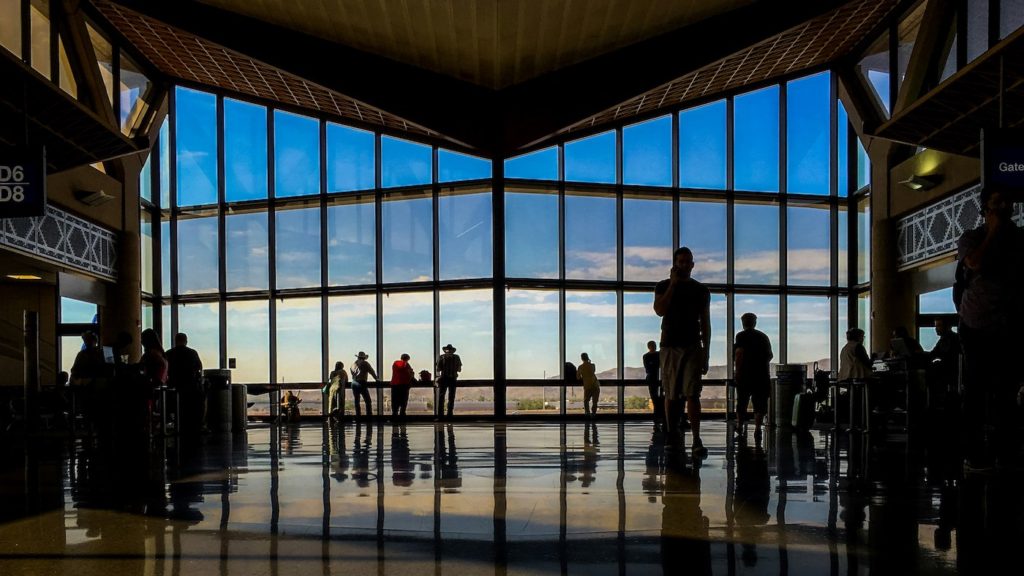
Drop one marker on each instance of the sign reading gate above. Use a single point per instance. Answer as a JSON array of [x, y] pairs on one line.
[[23, 184]]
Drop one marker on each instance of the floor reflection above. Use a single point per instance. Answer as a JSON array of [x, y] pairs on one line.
[[519, 498]]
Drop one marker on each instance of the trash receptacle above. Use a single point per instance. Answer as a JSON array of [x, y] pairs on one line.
[[218, 400], [789, 381], [239, 407]]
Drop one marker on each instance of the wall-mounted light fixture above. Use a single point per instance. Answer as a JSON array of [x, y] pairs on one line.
[[91, 198], [24, 277], [921, 183]]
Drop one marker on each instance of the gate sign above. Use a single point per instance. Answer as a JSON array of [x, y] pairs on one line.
[[22, 184], [1002, 158]]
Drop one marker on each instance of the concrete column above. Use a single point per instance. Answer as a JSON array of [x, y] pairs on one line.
[[123, 311]]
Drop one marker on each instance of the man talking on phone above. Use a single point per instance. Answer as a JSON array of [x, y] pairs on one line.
[[684, 305]]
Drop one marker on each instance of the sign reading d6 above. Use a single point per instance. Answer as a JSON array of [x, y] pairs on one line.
[[23, 184]]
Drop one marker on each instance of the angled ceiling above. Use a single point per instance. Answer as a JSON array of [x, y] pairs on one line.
[[491, 43], [493, 77]]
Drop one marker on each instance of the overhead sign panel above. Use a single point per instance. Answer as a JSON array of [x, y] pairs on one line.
[[23, 183]]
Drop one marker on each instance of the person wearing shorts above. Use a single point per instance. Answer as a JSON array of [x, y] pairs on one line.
[[752, 353], [684, 305]]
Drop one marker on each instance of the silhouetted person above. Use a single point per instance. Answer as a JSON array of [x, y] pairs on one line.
[[854, 362], [402, 376], [903, 345], [89, 362], [652, 376], [336, 391], [990, 320], [290, 405], [684, 305], [185, 374], [448, 367], [586, 373], [401, 465], [945, 368], [751, 498], [752, 353], [154, 361], [361, 372]]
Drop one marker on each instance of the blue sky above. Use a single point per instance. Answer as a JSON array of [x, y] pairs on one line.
[[466, 234]]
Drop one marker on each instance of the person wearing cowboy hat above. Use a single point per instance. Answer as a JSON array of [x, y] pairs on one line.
[[448, 367], [361, 371]]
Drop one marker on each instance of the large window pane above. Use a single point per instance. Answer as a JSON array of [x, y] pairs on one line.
[[591, 159], [647, 153], [296, 155], [531, 334], [843, 247], [639, 325], [164, 145], [464, 234], [78, 312], [864, 317], [702, 146], [756, 147], [590, 326], [1011, 16], [408, 238], [590, 237], [195, 130], [146, 180], [352, 327], [936, 302], [298, 341], [756, 243], [147, 255], [10, 26], [531, 235], [404, 163], [165, 260], [467, 322], [539, 165], [351, 158], [807, 135], [874, 69], [65, 72], [718, 363], [808, 331], [702, 228], [351, 242], [453, 166], [842, 151], [248, 334], [246, 249], [766, 307], [201, 322], [864, 240], [39, 25], [245, 151], [298, 248], [104, 60], [408, 329], [646, 239], [197, 255], [809, 259], [977, 28], [134, 93]]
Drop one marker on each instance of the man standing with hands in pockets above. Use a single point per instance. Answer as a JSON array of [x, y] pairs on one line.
[[684, 305]]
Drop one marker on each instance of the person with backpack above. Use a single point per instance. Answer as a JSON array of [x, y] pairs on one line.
[[402, 375], [336, 391], [448, 367], [361, 371]]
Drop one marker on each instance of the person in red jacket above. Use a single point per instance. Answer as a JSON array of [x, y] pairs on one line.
[[402, 376]]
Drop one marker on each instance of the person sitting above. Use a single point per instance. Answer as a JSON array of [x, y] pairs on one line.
[[89, 361], [854, 362]]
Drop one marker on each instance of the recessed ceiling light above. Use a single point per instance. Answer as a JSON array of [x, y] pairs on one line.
[[24, 277]]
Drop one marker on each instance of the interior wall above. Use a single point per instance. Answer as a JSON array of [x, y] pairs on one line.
[[15, 298], [950, 172]]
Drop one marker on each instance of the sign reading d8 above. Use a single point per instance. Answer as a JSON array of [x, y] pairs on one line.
[[23, 185]]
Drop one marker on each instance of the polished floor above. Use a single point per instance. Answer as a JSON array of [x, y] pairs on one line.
[[489, 498]]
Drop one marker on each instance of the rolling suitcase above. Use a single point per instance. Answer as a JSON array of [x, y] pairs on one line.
[[803, 410]]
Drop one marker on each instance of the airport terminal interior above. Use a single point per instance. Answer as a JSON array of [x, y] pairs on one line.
[[297, 184]]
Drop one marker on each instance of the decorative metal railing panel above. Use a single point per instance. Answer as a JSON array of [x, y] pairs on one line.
[[934, 230], [64, 239]]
